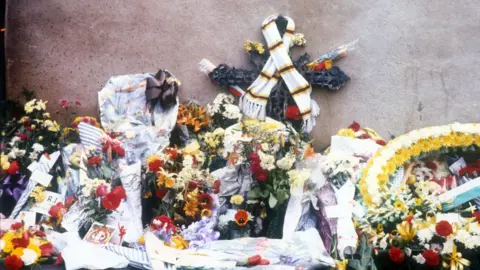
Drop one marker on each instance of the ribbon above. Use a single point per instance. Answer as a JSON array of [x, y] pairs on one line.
[[14, 188], [456, 262], [161, 88]]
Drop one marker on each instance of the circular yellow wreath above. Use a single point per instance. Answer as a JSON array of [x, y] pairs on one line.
[[375, 177]]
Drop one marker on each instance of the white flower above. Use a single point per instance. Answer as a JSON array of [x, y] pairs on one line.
[[383, 243], [286, 162], [38, 147], [223, 99], [231, 111], [448, 246], [33, 156], [425, 235], [465, 238], [16, 153], [41, 105], [2, 244], [408, 252], [187, 161], [29, 257], [200, 158], [298, 177], [267, 162], [14, 140], [48, 123], [419, 258]]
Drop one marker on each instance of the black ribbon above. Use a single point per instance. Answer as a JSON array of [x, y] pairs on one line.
[[161, 88]]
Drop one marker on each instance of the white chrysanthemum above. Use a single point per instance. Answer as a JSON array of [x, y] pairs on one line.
[[14, 140], [448, 246], [16, 153], [267, 162], [425, 235], [286, 162], [419, 258], [33, 156], [38, 147], [29, 257], [187, 161], [465, 238], [231, 111], [383, 243]]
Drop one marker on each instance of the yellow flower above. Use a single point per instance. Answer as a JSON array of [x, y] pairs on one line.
[[38, 193], [206, 213], [4, 162], [399, 205], [406, 232], [263, 212], [382, 179], [169, 182], [179, 242], [416, 150], [346, 132], [477, 140], [41, 105], [418, 201], [367, 198], [379, 227], [28, 108], [141, 241], [8, 247], [411, 180], [236, 199], [191, 208], [436, 143], [40, 138], [405, 154], [17, 252]]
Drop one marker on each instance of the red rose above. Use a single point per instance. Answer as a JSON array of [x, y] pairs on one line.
[[119, 191], [292, 112], [14, 166], [262, 175], [205, 201], [476, 214], [111, 202], [396, 255], [119, 150], [101, 191], [216, 186], [161, 222], [444, 228], [161, 193], [431, 257], [12, 262], [57, 210], [16, 226], [381, 142], [354, 126], [94, 161], [47, 249]]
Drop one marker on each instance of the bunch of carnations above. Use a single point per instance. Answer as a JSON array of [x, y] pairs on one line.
[[112, 147], [99, 200], [21, 247]]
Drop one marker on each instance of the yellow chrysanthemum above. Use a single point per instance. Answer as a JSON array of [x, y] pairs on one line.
[[418, 201], [379, 227], [382, 179], [416, 150], [436, 143], [191, 208], [38, 193], [367, 198], [169, 182], [447, 141], [477, 140], [8, 247]]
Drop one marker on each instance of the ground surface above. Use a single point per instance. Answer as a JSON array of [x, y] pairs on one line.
[[417, 63]]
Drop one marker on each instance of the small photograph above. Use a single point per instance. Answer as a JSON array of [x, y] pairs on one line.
[[99, 234]]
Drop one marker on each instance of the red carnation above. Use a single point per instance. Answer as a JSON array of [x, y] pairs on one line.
[[192, 185], [354, 126], [431, 257], [57, 210], [293, 112], [396, 255], [94, 161], [155, 165], [119, 191], [161, 193], [111, 202], [16, 226], [216, 186], [444, 228], [161, 222], [23, 241], [14, 167], [40, 234], [78, 103], [101, 191], [205, 201], [47, 249], [119, 150], [13, 262], [253, 156]]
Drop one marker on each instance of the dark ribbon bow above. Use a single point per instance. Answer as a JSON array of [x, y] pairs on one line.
[[14, 188], [161, 88]]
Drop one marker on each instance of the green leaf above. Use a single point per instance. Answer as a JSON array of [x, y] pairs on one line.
[[264, 193], [253, 193], [272, 201], [282, 195]]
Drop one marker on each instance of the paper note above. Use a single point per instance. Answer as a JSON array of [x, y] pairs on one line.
[[28, 218], [458, 165], [33, 166], [51, 198], [41, 178]]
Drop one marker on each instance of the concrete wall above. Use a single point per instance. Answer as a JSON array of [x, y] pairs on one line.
[[417, 63]]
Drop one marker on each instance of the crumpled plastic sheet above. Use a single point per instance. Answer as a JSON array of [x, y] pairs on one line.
[[123, 109]]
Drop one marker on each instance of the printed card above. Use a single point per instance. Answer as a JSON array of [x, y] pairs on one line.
[[99, 234], [51, 198]]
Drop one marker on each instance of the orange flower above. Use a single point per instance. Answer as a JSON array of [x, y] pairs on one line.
[[308, 151], [241, 218], [206, 213], [169, 182], [154, 163], [191, 208]]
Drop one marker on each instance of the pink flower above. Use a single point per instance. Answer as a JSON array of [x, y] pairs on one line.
[[78, 103], [63, 101], [101, 190]]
